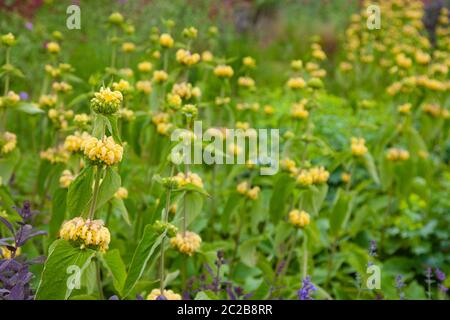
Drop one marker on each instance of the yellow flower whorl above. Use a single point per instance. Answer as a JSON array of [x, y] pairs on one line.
[[298, 218], [8, 142], [104, 151], [86, 233], [74, 142], [187, 242], [168, 294], [106, 101]]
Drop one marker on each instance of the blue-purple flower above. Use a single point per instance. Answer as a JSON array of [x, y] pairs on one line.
[[307, 289]]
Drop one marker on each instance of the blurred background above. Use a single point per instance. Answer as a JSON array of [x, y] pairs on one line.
[[272, 31]]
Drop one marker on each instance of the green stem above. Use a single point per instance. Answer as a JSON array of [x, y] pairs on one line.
[[99, 280], [161, 261], [8, 61], [95, 194], [305, 255]]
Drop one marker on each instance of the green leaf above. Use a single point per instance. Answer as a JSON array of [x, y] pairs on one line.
[[79, 99], [247, 251], [110, 184], [30, 108], [370, 165], [194, 203], [8, 164], [116, 267], [6, 201], [232, 204], [83, 297], [282, 189], [119, 206], [80, 191], [65, 264], [340, 213], [206, 295], [113, 128], [312, 200], [99, 126], [58, 211], [144, 251]]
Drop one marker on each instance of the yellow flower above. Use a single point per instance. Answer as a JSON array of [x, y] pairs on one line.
[[116, 18], [121, 193], [168, 295], [298, 111], [190, 32], [160, 76], [86, 233], [128, 47], [316, 175], [53, 47], [422, 57], [156, 54], [397, 154], [345, 177], [196, 92], [81, 119], [144, 86], [106, 101], [11, 98], [55, 155], [74, 142], [434, 110], [145, 66], [405, 108], [186, 242], [8, 142], [62, 87], [183, 90], [7, 254], [296, 64], [223, 71], [166, 40], [298, 218], [403, 61], [190, 178], [126, 114], [174, 100], [104, 151], [164, 128], [122, 86], [8, 39], [253, 193], [345, 66], [47, 101], [207, 56], [269, 110], [296, 83], [358, 147], [246, 82], [249, 62], [187, 58], [288, 165], [319, 54], [66, 179], [242, 187]]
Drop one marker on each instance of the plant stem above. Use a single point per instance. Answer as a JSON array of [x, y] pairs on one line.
[[99, 280], [8, 58], [305, 255], [161, 260], [95, 194]]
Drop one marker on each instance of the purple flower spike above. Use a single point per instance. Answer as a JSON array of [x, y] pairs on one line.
[[307, 289]]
